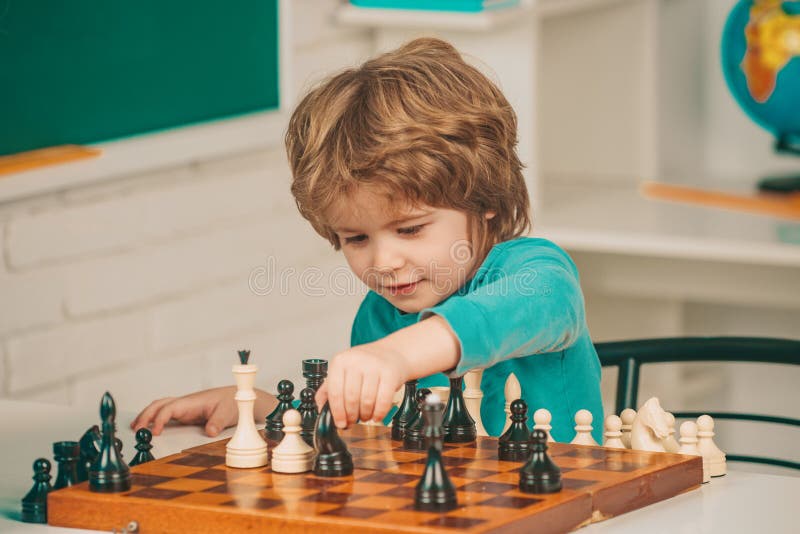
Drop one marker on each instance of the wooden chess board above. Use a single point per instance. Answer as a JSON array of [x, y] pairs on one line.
[[194, 491]]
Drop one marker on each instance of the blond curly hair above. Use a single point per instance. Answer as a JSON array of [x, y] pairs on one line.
[[420, 125]]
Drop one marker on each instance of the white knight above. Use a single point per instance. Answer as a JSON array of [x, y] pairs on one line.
[[650, 427]]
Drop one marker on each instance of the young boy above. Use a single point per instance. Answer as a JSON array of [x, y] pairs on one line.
[[408, 165]]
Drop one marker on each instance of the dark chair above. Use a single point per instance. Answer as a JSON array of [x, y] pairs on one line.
[[629, 356]]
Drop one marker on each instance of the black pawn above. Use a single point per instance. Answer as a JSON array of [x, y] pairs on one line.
[[412, 437], [332, 459], [109, 473], [34, 504], [514, 444], [315, 371], [459, 427], [434, 492], [143, 455], [539, 474], [274, 423], [406, 412], [66, 454], [89, 445], [308, 415]]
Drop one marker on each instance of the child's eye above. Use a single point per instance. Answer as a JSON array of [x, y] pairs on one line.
[[355, 239], [410, 230]]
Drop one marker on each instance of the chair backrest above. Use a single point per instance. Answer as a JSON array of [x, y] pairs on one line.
[[629, 356]]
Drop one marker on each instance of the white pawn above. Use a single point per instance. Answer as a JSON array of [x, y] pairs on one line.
[[472, 398], [707, 447], [627, 416], [513, 391], [612, 433], [669, 442], [292, 454], [688, 446], [541, 421], [583, 428]]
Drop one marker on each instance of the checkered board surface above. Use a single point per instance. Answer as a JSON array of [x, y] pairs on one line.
[[194, 491]]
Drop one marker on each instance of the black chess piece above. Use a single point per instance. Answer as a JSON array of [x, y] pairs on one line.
[[540, 474], [66, 453], [406, 411], [34, 503], [308, 415], [109, 472], [274, 423], [118, 445], [244, 356], [89, 446], [315, 371], [514, 444], [412, 437], [434, 492], [143, 455], [332, 459], [459, 426]]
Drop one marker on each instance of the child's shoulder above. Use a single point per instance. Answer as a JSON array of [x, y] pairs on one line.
[[522, 250]]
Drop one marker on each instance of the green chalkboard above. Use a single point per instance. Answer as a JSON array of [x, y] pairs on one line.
[[86, 71]]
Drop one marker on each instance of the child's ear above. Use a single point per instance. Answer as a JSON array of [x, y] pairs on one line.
[[489, 215]]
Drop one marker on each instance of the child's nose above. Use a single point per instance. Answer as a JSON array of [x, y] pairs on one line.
[[388, 258]]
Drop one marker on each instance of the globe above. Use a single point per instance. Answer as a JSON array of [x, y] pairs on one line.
[[761, 63]]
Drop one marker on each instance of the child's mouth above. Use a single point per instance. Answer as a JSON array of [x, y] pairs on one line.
[[402, 289]]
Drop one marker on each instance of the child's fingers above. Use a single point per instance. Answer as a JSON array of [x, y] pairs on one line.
[[218, 419], [322, 396], [352, 395], [369, 390], [174, 409], [146, 416], [383, 400]]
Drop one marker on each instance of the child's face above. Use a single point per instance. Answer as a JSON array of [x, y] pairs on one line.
[[415, 257]]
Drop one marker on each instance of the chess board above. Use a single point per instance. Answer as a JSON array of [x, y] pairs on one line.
[[194, 491]]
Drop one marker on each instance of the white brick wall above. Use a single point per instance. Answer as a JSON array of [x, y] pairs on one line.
[[50, 356], [147, 286], [31, 299]]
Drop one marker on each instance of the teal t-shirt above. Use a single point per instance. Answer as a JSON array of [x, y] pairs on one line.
[[521, 313]]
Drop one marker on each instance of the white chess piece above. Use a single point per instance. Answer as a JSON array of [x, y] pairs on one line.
[[612, 433], [246, 448], [688, 439], [627, 416], [292, 454], [513, 391], [541, 421], [473, 396], [583, 428], [670, 445], [705, 444], [649, 428]]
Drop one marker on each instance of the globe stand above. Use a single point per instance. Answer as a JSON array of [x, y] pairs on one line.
[[782, 184]]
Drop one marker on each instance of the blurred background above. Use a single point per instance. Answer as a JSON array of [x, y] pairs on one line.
[[143, 270]]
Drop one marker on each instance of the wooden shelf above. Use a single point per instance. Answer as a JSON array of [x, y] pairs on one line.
[[350, 15], [617, 219]]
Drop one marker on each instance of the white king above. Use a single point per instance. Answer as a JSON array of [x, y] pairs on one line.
[[246, 448]]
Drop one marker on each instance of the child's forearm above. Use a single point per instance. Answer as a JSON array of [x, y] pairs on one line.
[[265, 403], [428, 347]]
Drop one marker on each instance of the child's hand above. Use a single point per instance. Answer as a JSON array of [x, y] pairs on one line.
[[214, 407], [361, 383]]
